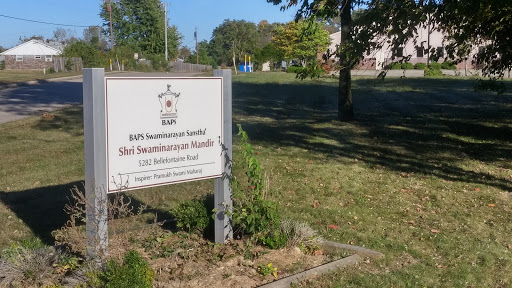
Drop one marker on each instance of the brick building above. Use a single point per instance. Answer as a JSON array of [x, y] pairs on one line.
[[32, 54]]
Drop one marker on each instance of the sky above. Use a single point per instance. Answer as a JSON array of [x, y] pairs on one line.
[[187, 15]]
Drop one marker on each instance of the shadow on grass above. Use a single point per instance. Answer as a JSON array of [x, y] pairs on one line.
[[69, 120], [42, 208], [423, 126]]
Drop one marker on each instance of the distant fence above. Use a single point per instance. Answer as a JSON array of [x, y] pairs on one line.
[[61, 64], [189, 67]]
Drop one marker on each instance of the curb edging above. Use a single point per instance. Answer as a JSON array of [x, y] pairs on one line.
[[360, 254]]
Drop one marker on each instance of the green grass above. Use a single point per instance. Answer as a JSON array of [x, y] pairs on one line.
[[18, 76], [423, 175]]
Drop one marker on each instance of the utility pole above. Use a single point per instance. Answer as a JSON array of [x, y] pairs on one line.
[[197, 51], [109, 9], [165, 29], [234, 64]]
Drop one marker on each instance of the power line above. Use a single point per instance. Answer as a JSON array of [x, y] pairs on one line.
[[42, 22]]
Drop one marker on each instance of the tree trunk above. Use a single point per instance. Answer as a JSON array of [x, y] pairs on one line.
[[345, 109]]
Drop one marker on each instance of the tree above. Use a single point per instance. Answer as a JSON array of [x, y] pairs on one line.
[[139, 24], [90, 55], [240, 34], [204, 56], [301, 40], [484, 23], [60, 35], [184, 52], [395, 19], [95, 36], [34, 37], [269, 53]]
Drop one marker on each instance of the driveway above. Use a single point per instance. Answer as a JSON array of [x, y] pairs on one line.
[[36, 98]]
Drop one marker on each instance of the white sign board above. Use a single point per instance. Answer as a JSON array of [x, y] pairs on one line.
[[162, 131]]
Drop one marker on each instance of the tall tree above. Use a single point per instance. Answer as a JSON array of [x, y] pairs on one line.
[[301, 40], [395, 19], [204, 55], [184, 53], [139, 24], [95, 36], [238, 34]]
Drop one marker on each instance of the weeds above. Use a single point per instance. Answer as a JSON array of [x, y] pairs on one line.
[[252, 212], [266, 270]]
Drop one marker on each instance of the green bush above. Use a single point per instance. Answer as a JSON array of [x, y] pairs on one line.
[[253, 212], [158, 62], [449, 65], [294, 69], [134, 272], [2, 65], [407, 65], [420, 66], [394, 66], [433, 72], [274, 240], [435, 66], [192, 215]]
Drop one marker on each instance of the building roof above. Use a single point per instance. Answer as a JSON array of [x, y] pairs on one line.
[[32, 47]]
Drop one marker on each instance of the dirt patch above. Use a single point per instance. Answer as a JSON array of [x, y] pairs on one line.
[[188, 260]]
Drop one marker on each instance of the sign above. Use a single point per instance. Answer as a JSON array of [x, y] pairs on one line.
[[161, 131]]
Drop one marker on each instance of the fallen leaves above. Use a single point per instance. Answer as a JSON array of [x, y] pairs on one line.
[[333, 226], [491, 204], [435, 231]]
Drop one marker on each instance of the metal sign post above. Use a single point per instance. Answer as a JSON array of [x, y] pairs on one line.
[[95, 158], [222, 197]]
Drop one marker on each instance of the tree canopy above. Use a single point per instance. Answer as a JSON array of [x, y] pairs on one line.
[[301, 40], [139, 24], [238, 34]]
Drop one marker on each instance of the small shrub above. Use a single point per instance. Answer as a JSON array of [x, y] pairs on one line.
[[294, 69], [300, 235], [433, 72], [68, 65], [252, 211], [133, 272], [192, 215], [312, 70], [50, 70], [448, 65], [274, 239], [395, 66], [2, 65], [435, 66], [407, 65], [266, 270], [22, 267], [420, 66]]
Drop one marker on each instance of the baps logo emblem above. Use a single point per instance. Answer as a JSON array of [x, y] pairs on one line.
[[168, 106]]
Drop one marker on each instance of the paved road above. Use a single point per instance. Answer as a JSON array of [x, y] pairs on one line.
[[35, 99]]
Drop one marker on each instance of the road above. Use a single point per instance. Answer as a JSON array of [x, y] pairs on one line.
[[35, 99]]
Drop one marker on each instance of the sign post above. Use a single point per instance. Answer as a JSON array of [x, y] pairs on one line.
[[222, 197], [95, 158]]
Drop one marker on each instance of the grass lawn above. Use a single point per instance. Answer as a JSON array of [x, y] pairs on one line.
[[17, 76], [423, 175]]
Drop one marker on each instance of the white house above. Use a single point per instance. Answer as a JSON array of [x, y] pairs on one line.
[[32, 54]]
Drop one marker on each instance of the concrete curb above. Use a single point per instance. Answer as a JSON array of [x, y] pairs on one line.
[[360, 254]]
